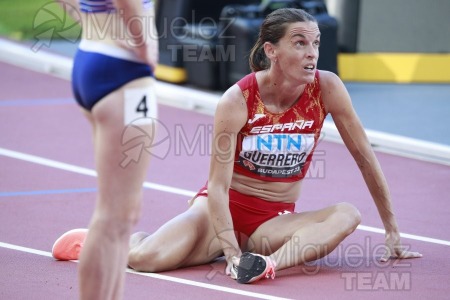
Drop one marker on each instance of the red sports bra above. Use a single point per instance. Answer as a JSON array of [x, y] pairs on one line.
[[279, 147]]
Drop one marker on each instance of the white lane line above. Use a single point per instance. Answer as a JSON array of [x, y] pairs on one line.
[[160, 277], [25, 249], [406, 235], [207, 285], [85, 171], [164, 188]]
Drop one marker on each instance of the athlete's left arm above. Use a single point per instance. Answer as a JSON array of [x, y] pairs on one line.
[[338, 103]]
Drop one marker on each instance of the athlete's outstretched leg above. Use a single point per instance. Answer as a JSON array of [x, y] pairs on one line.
[[187, 240]]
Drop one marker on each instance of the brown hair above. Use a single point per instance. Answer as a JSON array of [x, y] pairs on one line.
[[272, 30]]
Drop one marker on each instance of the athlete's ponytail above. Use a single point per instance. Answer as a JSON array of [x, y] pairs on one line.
[[258, 60]]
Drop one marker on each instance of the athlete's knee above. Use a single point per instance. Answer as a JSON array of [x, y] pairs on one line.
[[114, 227], [145, 258], [131, 217], [349, 217], [135, 259], [125, 215], [137, 238]]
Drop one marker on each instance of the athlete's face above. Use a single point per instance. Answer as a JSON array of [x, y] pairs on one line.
[[298, 51]]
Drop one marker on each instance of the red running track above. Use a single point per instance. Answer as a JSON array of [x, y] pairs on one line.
[[39, 201]]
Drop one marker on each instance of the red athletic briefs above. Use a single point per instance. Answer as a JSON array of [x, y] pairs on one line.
[[249, 212]]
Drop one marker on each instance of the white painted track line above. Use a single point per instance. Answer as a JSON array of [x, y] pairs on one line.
[[169, 189], [160, 276]]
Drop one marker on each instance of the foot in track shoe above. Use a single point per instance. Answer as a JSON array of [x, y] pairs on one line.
[[252, 267], [69, 245]]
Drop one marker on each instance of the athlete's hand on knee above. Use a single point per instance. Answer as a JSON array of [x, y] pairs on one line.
[[394, 248]]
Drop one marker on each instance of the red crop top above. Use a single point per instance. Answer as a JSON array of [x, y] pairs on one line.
[[279, 147]]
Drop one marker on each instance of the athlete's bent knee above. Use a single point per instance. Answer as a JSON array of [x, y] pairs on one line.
[[138, 261], [349, 215], [144, 259]]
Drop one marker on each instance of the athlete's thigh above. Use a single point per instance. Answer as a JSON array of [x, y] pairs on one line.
[[121, 159], [126, 104], [207, 247], [186, 240], [271, 235]]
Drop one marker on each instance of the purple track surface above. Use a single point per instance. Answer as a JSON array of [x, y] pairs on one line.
[[39, 117]]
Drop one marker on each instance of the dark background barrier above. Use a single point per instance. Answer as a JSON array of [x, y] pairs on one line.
[[211, 40]]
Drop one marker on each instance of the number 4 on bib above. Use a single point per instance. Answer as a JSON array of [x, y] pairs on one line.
[[140, 106]]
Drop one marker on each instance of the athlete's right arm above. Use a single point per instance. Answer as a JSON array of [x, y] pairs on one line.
[[230, 117]]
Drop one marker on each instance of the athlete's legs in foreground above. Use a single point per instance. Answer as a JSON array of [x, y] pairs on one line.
[[187, 240], [104, 256], [294, 239]]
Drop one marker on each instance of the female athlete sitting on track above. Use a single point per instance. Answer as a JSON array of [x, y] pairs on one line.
[[266, 129]]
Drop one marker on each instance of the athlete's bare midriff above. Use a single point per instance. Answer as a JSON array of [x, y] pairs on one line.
[[109, 28], [287, 192]]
